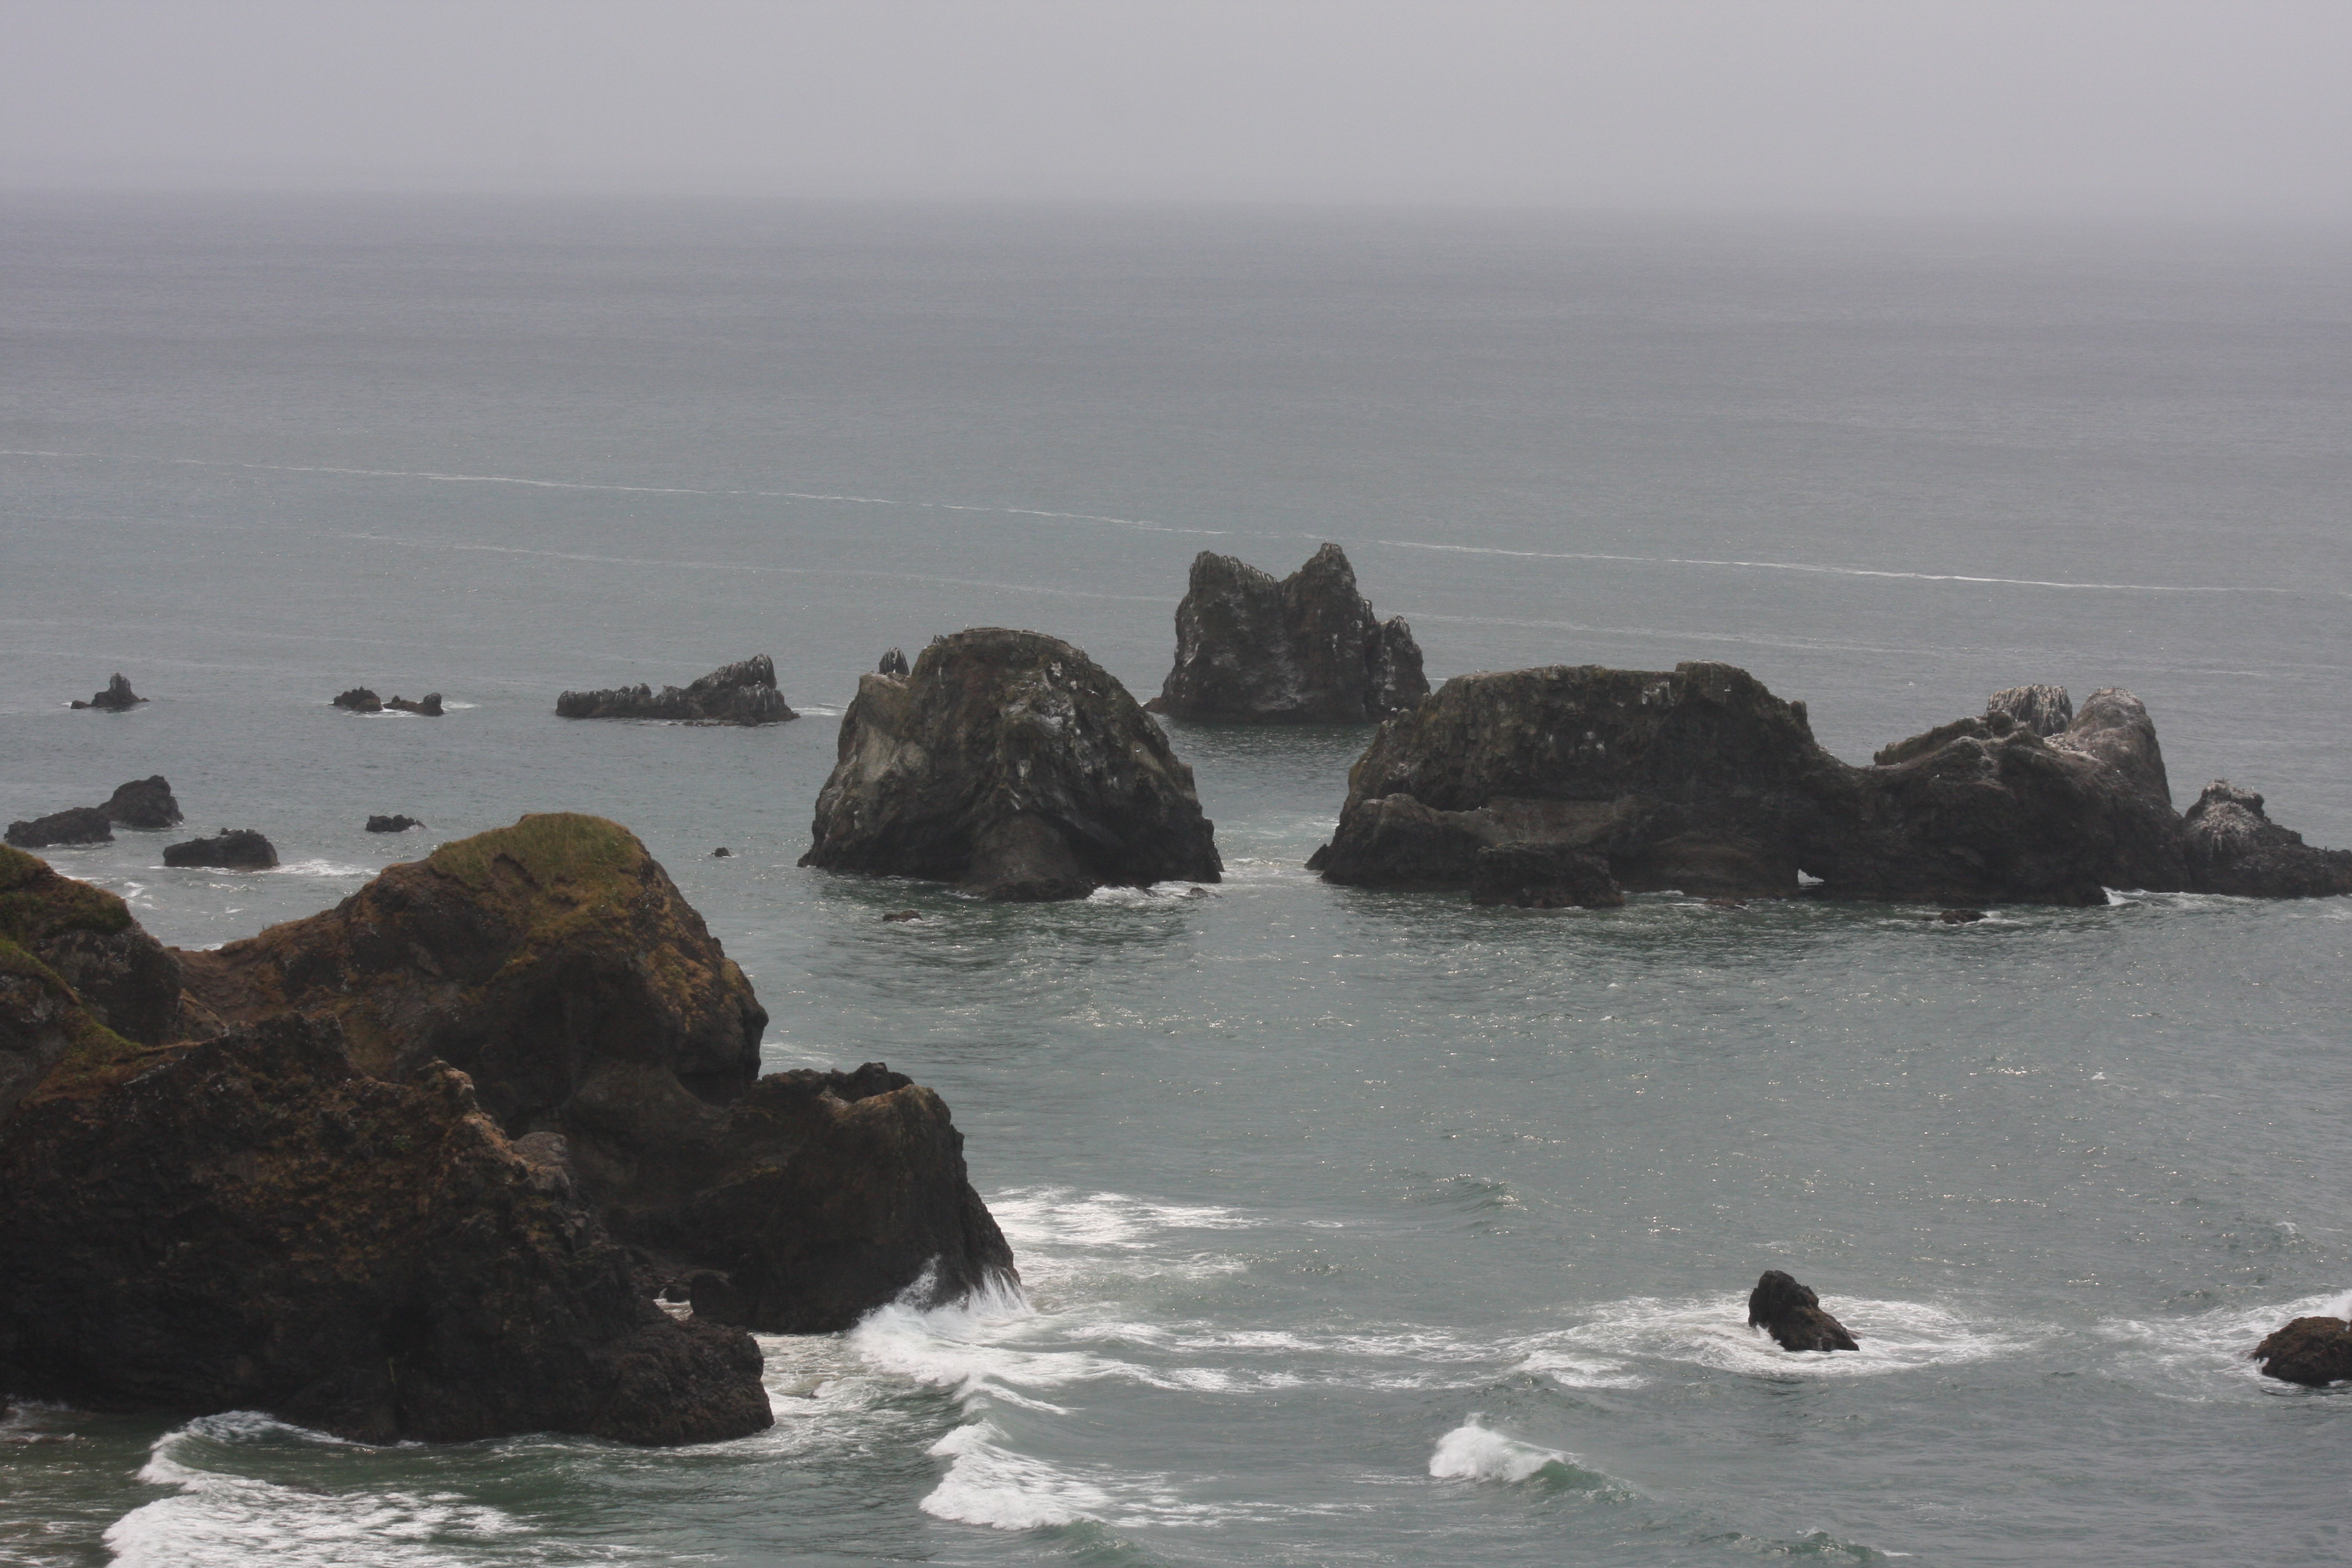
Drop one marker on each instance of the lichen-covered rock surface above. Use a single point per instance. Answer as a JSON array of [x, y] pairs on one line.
[[1700, 779], [741, 693], [1306, 650], [1009, 763]]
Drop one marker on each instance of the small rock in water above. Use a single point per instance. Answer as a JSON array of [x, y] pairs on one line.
[[117, 696], [429, 706], [2313, 1352], [359, 699], [893, 663], [1731, 906], [230, 849], [721, 853], [392, 823], [1962, 917], [903, 915], [1793, 1315]]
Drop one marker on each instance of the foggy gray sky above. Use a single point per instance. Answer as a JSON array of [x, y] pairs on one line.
[[2104, 106]]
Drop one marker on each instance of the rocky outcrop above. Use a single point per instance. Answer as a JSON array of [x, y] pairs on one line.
[[145, 804], [73, 965], [392, 823], [2045, 709], [556, 965], [1305, 651], [1009, 763], [117, 696], [2313, 1352], [427, 707], [894, 662], [75, 825], [1542, 876], [742, 693], [1793, 1315], [359, 699], [230, 849], [1700, 779]]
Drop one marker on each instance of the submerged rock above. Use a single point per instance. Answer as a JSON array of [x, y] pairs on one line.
[[392, 823], [359, 699], [75, 825], [1700, 779], [1793, 1315], [556, 965], [742, 693], [117, 696], [1012, 765], [230, 849], [2313, 1352], [428, 706], [1307, 649], [1960, 916], [145, 803]]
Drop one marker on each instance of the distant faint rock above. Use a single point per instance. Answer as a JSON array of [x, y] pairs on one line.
[[117, 696], [1304, 650], [429, 706], [901, 917], [392, 823], [230, 849], [1793, 1315], [721, 853], [742, 693], [145, 803], [76, 824], [2313, 1352], [894, 662], [359, 699]]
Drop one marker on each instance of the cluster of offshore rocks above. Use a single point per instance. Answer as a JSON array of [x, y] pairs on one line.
[[147, 805], [742, 693], [361, 699], [417, 1167]]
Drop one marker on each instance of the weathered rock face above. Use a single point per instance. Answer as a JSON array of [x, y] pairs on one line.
[[429, 706], [1542, 876], [1793, 1315], [1304, 650], [557, 966], [76, 824], [1700, 779], [117, 696], [894, 662], [73, 965], [249, 1223], [2313, 1352], [392, 823], [1010, 763], [742, 693], [145, 804], [230, 849], [2044, 710], [359, 699]]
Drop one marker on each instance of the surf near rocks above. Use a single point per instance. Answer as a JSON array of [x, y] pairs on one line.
[[1702, 779], [1009, 763]]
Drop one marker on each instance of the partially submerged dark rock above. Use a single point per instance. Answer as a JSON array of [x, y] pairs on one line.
[[721, 853], [1010, 763], [1307, 649], [1793, 1315], [1700, 779], [1542, 876], [556, 965], [76, 824], [899, 917], [230, 849], [117, 696], [359, 699], [145, 803], [429, 706], [392, 823], [742, 693], [1960, 916], [2313, 1352]]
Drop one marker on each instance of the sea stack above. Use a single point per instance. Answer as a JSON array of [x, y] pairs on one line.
[[743, 693], [1698, 779], [1304, 650], [117, 696], [1793, 1315], [1009, 763]]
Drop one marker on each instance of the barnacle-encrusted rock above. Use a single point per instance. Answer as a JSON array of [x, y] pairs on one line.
[[1012, 764], [742, 693], [1307, 649]]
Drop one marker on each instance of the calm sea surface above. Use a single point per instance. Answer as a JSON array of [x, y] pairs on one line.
[[1356, 1227]]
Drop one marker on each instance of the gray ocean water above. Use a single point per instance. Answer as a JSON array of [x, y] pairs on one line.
[[1356, 1229]]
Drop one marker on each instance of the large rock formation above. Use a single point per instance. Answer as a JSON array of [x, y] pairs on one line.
[[230, 849], [742, 693], [1305, 651], [145, 804], [1792, 1313], [2313, 1352], [556, 965], [1009, 763], [1700, 779], [117, 696], [406, 1168]]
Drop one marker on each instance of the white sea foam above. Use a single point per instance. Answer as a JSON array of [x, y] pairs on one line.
[[320, 868], [1713, 1331], [1062, 1216], [2204, 1355], [1473, 1452]]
